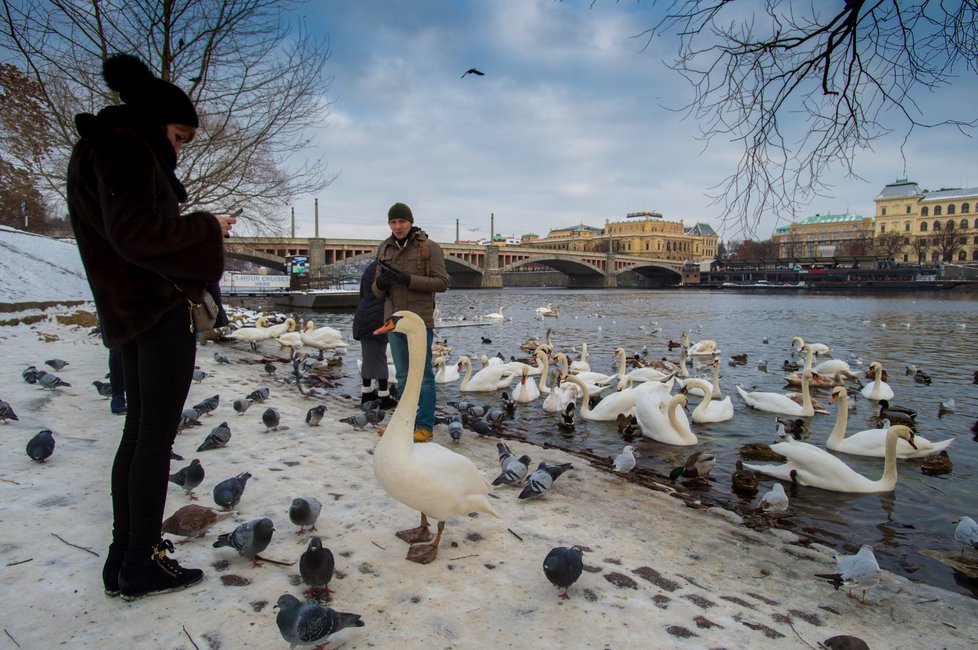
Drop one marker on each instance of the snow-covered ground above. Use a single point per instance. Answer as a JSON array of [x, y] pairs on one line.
[[39, 269]]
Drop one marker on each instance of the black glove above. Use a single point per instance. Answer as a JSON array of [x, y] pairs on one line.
[[389, 275]]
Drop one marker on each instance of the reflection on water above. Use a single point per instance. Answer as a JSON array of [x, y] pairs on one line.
[[935, 331]]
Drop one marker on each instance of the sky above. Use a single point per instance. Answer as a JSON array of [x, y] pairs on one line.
[[573, 122]]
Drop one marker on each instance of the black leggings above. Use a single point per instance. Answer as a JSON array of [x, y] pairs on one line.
[[159, 366]]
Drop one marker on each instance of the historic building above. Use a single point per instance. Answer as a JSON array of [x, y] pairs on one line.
[[825, 235], [935, 226]]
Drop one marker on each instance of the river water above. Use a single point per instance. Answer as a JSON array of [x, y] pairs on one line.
[[937, 332]]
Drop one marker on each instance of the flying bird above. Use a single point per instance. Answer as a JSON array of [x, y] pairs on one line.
[[472, 71], [563, 566]]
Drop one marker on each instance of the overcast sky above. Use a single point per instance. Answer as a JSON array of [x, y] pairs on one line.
[[571, 123]]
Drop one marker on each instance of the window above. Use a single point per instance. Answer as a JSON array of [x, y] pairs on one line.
[[906, 226], [905, 257], [924, 212], [965, 208], [937, 224], [935, 257], [974, 255], [950, 209], [906, 242], [950, 224], [883, 213], [908, 212], [882, 229], [923, 226], [937, 210], [964, 224], [962, 257]]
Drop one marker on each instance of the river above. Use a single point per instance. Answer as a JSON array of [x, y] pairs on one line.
[[936, 331]]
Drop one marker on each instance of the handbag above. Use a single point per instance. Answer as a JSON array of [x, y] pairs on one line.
[[203, 314]]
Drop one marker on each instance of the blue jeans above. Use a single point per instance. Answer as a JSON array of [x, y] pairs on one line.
[[425, 418]]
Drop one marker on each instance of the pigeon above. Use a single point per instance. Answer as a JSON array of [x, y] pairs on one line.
[[269, 369], [315, 415], [188, 418], [249, 539], [30, 374], [966, 534], [697, 466], [270, 418], [775, 500], [625, 461], [539, 482], [563, 566], [199, 375], [259, 394], [189, 477], [220, 358], [375, 416], [217, 438], [455, 430], [50, 381], [209, 405], [175, 456], [309, 623], [844, 642], [472, 71], [104, 388], [7, 412], [358, 420], [316, 566], [228, 492], [303, 512], [41, 446], [193, 520], [240, 405], [57, 364], [860, 569], [514, 469]]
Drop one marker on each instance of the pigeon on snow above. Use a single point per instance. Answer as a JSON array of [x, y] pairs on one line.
[[217, 438], [7, 412], [57, 364], [208, 405], [193, 520], [315, 415], [50, 381], [303, 512], [240, 405], [309, 623], [228, 492], [220, 358], [563, 566], [249, 539], [41, 446], [539, 482], [104, 388], [270, 418], [189, 477], [259, 394], [514, 469], [316, 566]]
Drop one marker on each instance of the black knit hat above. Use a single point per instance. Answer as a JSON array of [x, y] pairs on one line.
[[161, 101], [400, 211]]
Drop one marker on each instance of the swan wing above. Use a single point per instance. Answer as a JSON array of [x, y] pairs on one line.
[[770, 402]]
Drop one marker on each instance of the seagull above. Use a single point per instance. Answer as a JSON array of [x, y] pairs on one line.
[[774, 500], [625, 461], [859, 569], [309, 623], [539, 482], [563, 566], [966, 534], [472, 71]]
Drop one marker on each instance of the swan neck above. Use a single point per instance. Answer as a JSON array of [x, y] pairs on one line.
[[889, 459], [841, 421], [683, 432]]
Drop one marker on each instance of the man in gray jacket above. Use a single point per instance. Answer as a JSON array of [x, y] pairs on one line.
[[411, 270]]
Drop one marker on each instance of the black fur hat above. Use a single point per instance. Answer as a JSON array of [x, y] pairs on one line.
[[140, 89]]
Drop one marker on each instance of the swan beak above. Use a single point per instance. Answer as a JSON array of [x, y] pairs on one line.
[[911, 441], [386, 327]]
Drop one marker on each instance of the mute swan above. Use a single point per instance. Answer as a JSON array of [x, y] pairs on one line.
[[581, 365], [252, 335], [321, 338], [666, 427], [609, 407], [818, 468], [832, 366], [561, 362], [638, 374], [879, 389], [778, 403], [525, 391], [496, 315], [709, 410], [426, 477], [558, 397], [532, 345], [706, 346], [818, 348], [275, 331], [714, 389], [445, 373], [488, 379], [872, 442], [543, 310]]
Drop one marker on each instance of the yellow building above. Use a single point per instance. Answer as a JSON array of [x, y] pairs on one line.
[[825, 235], [923, 218]]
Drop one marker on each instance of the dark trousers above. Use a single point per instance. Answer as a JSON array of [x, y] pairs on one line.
[[159, 366], [117, 378]]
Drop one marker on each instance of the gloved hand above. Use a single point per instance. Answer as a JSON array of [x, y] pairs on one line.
[[389, 275], [401, 277]]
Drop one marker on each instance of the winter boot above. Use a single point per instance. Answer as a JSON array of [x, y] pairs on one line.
[[157, 574], [110, 571]]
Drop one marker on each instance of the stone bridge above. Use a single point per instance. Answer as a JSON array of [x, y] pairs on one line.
[[470, 265]]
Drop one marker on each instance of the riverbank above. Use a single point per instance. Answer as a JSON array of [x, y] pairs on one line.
[[659, 572]]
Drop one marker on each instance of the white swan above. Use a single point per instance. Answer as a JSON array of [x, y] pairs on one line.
[[582, 364], [778, 403], [558, 397], [714, 389], [709, 410], [818, 468], [664, 425], [445, 373], [637, 375], [488, 379], [561, 362], [251, 335], [831, 366], [818, 348], [525, 391], [544, 310], [706, 346], [426, 477], [609, 407], [496, 315], [872, 442], [321, 338], [275, 331], [879, 389]]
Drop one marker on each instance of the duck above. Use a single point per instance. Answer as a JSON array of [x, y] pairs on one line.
[[743, 481], [872, 442], [759, 451], [666, 427], [552, 313], [566, 423], [795, 426], [704, 347], [496, 315], [879, 389], [778, 403], [738, 359], [251, 335], [697, 466], [937, 464], [525, 391], [709, 410], [426, 477], [440, 348], [532, 344], [897, 414], [609, 407], [921, 377], [816, 467], [490, 378], [445, 373]]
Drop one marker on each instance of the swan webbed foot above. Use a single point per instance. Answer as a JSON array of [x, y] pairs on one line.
[[422, 553], [415, 535]]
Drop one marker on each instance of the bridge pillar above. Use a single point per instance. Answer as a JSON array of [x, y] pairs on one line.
[[492, 276], [317, 256], [610, 278]]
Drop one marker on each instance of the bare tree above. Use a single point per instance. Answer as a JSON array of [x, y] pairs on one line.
[[889, 244], [258, 84], [805, 86], [948, 241], [920, 246]]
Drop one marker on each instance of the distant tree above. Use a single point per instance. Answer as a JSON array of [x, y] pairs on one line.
[[948, 241], [754, 250], [259, 87], [791, 244], [855, 247], [804, 86], [721, 250], [920, 246], [888, 244]]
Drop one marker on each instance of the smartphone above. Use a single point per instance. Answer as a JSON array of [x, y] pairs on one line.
[[235, 214]]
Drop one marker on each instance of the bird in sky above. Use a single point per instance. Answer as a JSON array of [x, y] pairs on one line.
[[472, 71]]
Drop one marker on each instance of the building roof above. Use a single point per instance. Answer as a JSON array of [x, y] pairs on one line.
[[950, 194], [902, 187], [579, 228], [703, 229], [829, 218]]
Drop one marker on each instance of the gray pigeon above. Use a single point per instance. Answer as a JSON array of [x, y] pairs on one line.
[[228, 492], [30, 374], [199, 375], [357, 420], [50, 381], [513, 469], [303, 512], [310, 623], [189, 477], [316, 566], [41, 446], [249, 539], [269, 368], [315, 415], [7, 412], [480, 426], [455, 430], [270, 419], [539, 482], [220, 358], [188, 418], [104, 388], [259, 394], [57, 364], [217, 438], [563, 566], [375, 416], [208, 405], [241, 405]]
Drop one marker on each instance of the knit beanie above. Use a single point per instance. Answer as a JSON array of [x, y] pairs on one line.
[[160, 101], [400, 211]]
